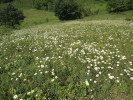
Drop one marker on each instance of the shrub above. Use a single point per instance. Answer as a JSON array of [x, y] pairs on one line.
[[44, 4], [130, 5], [128, 19], [117, 5], [10, 16], [89, 12], [67, 10], [38, 4]]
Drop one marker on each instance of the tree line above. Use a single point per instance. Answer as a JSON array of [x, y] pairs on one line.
[[64, 9]]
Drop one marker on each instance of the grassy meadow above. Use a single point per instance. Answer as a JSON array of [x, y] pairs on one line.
[[84, 59]]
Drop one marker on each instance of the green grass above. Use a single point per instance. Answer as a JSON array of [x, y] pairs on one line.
[[110, 16], [35, 17], [86, 59], [58, 61]]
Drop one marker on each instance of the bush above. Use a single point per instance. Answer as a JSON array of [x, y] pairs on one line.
[[117, 5], [89, 12], [128, 19], [130, 5], [67, 10], [10, 16], [44, 4], [5, 1], [38, 4]]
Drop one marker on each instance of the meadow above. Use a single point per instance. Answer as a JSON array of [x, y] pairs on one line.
[[74, 60], [84, 59]]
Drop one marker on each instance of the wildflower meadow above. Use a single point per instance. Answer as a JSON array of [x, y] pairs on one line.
[[76, 60]]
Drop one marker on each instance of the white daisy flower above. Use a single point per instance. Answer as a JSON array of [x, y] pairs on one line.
[[86, 82], [96, 68], [37, 58], [28, 93], [131, 78], [56, 77], [117, 81], [15, 96], [35, 74], [32, 91], [42, 66], [97, 75], [95, 81], [46, 72], [111, 77], [13, 73], [52, 80], [131, 69]]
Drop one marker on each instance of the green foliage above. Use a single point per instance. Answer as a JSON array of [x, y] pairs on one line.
[[130, 5], [117, 5], [44, 4], [89, 12], [127, 19], [38, 4], [10, 16], [5, 1], [67, 10]]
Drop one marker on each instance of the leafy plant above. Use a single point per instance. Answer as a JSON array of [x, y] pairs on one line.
[[89, 12], [67, 10], [10, 16], [44, 4], [128, 19], [117, 5], [130, 5]]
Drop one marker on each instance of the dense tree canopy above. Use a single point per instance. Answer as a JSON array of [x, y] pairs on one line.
[[10, 16]]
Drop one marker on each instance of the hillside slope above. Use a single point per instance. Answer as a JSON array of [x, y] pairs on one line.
[[72, 60]]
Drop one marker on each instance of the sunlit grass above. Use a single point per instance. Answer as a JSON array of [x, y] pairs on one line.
[[72, 60]]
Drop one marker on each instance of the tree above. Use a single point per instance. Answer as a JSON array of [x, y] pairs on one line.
[[10, 16], [67, 10], [130, 5], [117, 5]]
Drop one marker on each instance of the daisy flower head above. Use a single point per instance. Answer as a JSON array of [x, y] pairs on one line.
[[35, 73], [32, 91], [96, 68], [131, 78], [86, 82], [95, 81], [117, 81], [13, 73], [52, 80], [15, 96], [42, 66], [37, 58], [46, 72], [97, 75], [56, 77], [111, 77], [28, 93], [131, 69]]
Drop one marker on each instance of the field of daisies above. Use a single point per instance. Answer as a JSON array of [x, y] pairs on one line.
[[76, 60]]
